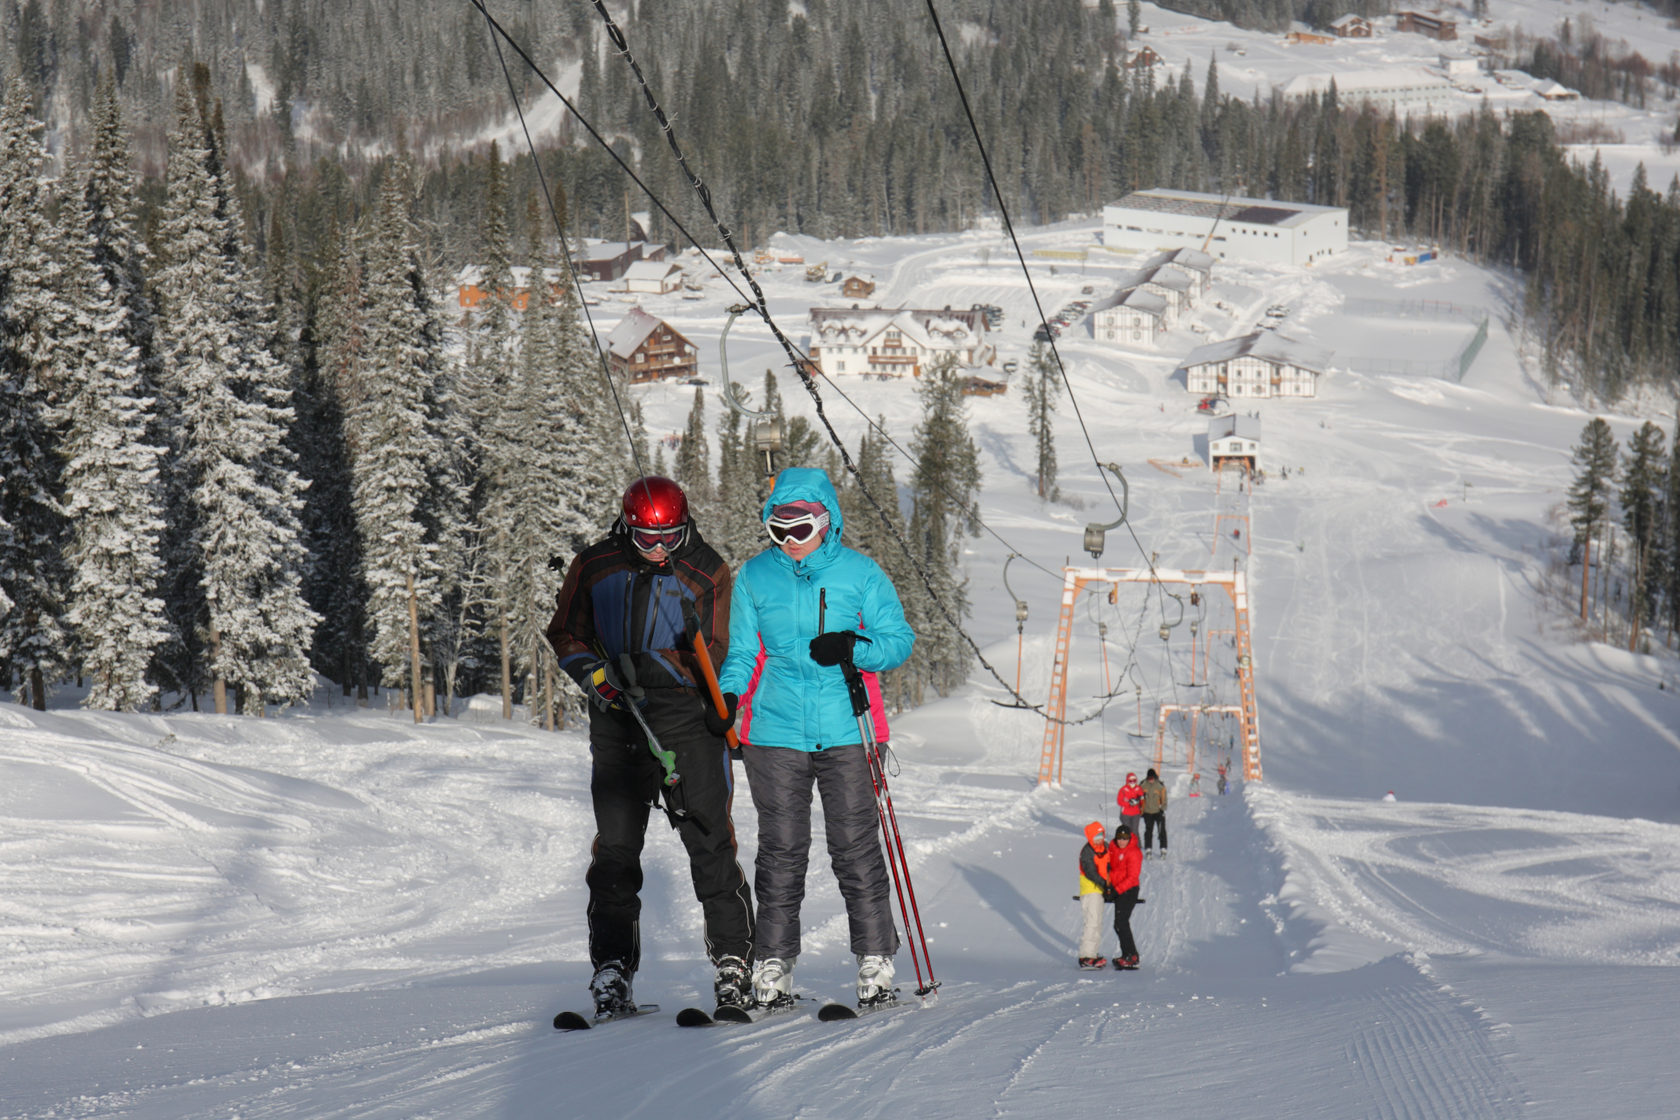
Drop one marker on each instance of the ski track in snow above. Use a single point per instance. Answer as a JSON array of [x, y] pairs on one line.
[[336, 913]]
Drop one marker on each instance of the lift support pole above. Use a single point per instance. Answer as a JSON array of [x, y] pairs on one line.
[[1075, 580]]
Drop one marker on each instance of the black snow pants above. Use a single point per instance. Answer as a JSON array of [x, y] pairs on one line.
[[1124, 903], [1151, 822], [781, 779], [625, 783]]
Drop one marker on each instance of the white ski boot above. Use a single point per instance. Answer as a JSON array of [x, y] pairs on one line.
[[772, 982], [611, 989], [875, 980]]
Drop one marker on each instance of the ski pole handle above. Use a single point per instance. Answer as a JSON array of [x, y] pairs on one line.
[[709, 674]]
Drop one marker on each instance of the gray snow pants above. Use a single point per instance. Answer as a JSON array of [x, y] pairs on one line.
[[781, 780]]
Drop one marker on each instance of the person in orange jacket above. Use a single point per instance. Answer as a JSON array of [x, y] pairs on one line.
[[1125, 869], [1130, 800], [1093, 891]]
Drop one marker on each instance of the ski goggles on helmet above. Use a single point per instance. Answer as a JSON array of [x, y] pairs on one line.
[[800, 527], [647, 540]]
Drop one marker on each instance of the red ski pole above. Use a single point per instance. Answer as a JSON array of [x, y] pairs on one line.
[[897, 862]]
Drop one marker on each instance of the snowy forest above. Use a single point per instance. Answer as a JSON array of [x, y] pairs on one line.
[[241, 441]]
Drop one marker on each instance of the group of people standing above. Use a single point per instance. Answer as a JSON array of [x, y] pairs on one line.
[[640, 618], [1112, 871]]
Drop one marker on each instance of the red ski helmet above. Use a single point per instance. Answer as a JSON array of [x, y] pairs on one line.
[[656, 513]]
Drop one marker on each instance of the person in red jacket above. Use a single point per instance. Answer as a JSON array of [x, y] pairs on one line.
[[1125, 867], [1130, 800]]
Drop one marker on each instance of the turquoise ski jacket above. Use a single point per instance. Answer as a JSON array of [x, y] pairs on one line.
[[788, 700]]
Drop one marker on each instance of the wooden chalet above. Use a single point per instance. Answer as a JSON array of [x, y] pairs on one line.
[[645, 348]]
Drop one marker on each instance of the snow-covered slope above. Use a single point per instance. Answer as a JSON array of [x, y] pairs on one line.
[[337, 913]]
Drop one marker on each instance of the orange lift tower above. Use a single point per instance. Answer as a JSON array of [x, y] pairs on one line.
[[1075, 580]]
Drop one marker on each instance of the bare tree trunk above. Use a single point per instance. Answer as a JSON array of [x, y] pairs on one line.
[[507, 667], [218, 687], [1586, 570], [415, 693]]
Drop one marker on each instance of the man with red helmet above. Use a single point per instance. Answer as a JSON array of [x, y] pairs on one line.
[[620, 629]]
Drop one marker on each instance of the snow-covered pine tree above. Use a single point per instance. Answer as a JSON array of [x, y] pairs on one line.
[[694, 457], [396, 454], [335, 586], [111, 487], [865, 531], [34, 642], [735, 525], [1589, 494], [944, 487], [229, 403], [1644, 475], [1040, 390]]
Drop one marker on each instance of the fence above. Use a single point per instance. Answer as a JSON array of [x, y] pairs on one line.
[[1452, 369]]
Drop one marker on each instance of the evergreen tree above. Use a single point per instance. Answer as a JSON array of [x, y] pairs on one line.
[[944, 487], [694, 460], [110, 471], [1040, 391], [1671, 534], [229, 403], [34, 291], [335, 587], [398, 453], [1644, 475], [1589, 494]]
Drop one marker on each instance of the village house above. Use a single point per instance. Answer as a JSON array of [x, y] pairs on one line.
[[1301, 38], [856, 287], [645, 348], [1351, 26], [1261, 364], [1193, 264], [1434, 24], [896, 343], [656, 277], [470, 288], [1133, 315], [1234, 440]]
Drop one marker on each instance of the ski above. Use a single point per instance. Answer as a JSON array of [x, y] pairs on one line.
[[573, 1021], [838, 1012], [729, 1015]]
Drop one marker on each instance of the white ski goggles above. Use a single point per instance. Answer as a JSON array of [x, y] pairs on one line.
[[800, 528]]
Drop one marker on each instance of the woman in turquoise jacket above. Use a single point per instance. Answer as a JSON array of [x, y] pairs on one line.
[[801, 608]]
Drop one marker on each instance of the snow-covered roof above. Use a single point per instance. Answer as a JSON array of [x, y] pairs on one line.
[[1360, 84], [631, 332], [650, 270], [1234, 424], [1228, 208], [1266, 345], [946, 329]]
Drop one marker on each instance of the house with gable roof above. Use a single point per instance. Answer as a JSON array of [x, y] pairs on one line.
[[645, 348], [899, 342], [1261, 364]]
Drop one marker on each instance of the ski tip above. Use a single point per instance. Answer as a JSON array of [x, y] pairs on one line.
[[693, 1017], [728, 1014], [570, 1021], [833, 1012]]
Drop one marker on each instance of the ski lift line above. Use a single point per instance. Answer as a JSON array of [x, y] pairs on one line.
[[1003, 210], [801, 363], [566, 253]]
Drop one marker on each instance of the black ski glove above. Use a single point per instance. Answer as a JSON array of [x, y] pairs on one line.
[[715, 724], [605, 687], [835, 646]]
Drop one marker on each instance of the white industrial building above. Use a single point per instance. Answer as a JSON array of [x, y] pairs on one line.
[[1262, 364], [1226, 226], [1404, 89]]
